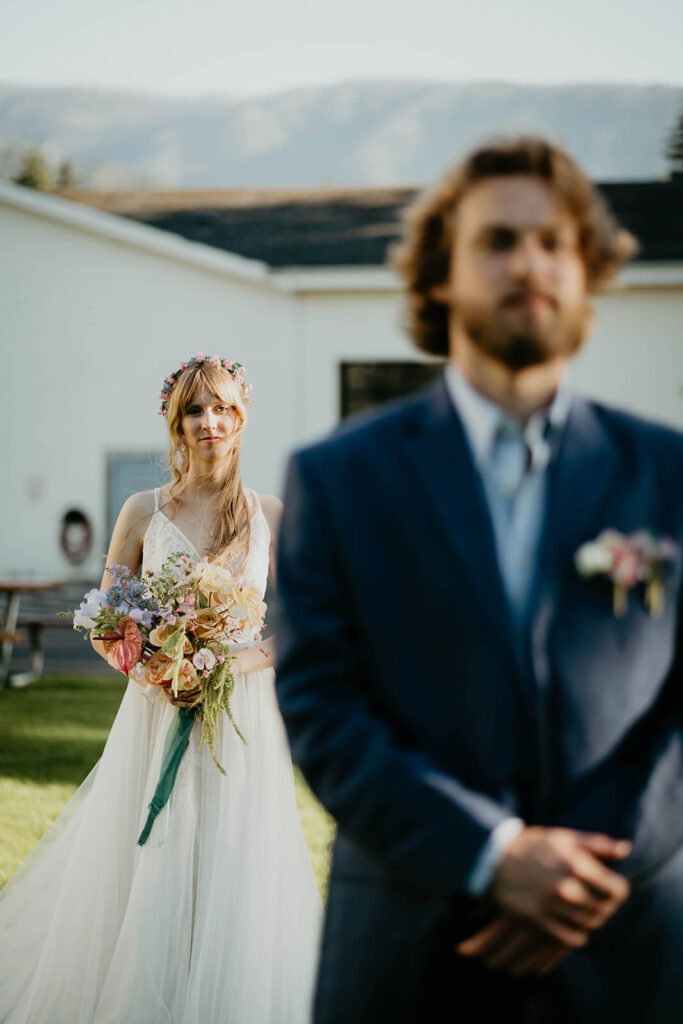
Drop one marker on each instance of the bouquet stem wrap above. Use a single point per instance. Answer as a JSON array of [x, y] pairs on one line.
[[215, 699], [176, 744]]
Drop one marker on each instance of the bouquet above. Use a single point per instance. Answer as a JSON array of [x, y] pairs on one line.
[[175, 629]]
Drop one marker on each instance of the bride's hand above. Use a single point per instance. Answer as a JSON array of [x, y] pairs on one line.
[[138, 676], [242, 662], [185, 698], [253, 659]]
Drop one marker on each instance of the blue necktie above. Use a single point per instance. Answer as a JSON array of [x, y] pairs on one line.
[[509, 461]]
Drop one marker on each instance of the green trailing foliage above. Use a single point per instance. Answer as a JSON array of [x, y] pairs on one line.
[[216, 694]]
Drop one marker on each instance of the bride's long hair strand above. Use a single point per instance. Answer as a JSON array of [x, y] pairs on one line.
[[232, 526]]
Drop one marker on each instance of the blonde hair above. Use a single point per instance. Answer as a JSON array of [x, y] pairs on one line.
[[232, 509], [422, 258]]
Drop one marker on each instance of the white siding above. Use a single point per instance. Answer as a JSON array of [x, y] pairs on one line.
[[336, 328], [634, 357], [89, 327]]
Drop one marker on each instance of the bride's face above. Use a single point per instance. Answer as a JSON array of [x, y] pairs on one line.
[[209, 425]]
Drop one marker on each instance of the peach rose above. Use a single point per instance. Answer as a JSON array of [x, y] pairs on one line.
[[160, 635], [213, 581], [208, 623], [246, 604], [159, 669]]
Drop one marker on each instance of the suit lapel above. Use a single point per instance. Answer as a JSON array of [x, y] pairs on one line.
[[581, 478], [456, 504]]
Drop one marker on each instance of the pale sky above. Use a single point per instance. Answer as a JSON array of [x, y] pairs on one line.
[[194, 47]]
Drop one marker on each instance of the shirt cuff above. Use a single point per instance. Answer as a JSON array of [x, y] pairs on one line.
[[491, 854]]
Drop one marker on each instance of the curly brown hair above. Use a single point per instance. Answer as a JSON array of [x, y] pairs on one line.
[[422, 258]]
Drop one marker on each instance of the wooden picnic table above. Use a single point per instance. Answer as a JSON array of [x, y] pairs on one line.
[[11, 629]]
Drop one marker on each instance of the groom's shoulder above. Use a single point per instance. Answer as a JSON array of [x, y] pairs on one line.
[[370, 431], [639, 433]]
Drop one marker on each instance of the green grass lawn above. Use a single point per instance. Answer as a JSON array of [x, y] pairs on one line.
[[51, 735]]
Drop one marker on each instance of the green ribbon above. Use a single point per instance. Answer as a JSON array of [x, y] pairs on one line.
[[177, 740]]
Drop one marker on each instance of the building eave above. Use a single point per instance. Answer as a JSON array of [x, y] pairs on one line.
[[304, 280], [336, 279], [131, 233], [292, 280], [650, 275]]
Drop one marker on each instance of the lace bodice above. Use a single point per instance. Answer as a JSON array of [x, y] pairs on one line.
[[163, 538]]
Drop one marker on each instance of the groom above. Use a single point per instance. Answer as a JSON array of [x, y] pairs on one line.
[[484, 691]]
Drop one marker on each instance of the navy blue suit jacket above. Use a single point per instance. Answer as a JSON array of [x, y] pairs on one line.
[[413, 714]]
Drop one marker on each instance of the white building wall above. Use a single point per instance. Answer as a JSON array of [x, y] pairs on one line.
[[634, 357], [88, 329], [345, 327]]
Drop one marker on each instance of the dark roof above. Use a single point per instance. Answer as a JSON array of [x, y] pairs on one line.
[[353, 227], [653, 212]]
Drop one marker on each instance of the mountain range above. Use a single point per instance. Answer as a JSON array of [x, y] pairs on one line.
[[353, 133]]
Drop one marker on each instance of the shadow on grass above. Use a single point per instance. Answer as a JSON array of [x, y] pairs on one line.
[[55, 729]]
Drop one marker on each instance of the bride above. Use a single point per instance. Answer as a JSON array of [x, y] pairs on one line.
[[216, 919]]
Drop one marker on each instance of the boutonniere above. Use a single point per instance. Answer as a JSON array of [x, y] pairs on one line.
[[629, 560]]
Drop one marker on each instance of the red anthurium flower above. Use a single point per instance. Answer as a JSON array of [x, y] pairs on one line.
[[123, 646]]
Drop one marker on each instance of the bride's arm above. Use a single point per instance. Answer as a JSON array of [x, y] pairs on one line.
[[263, 655], [126, 542]]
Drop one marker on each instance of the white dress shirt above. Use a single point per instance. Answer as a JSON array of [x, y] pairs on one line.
[[512, 459]]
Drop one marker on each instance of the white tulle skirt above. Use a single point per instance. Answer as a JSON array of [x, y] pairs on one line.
[[215, 920]]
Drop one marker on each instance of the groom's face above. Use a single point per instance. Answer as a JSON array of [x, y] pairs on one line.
[[517, 282]]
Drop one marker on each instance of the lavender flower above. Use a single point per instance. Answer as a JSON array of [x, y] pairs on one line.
[[142, 616], [120, 573], [89, 609], [82, 620]]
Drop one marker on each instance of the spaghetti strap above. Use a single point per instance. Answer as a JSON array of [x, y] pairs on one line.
[[256, 498], [258, 511], [157, 491]]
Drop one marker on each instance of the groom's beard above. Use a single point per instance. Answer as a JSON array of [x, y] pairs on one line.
[[519, 338]]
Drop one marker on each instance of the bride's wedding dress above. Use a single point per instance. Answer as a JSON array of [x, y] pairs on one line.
[[216, 919]]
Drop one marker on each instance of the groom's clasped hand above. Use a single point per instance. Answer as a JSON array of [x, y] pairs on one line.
[[551, 890]]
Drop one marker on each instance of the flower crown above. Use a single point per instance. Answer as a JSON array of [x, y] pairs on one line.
[[236, 371]]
